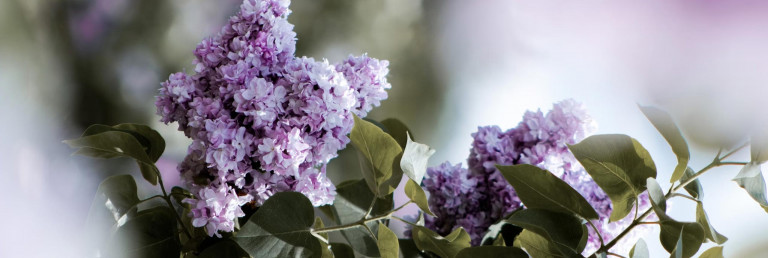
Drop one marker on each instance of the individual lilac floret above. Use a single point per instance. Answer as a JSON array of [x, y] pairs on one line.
[[539, 140], [261, 120], [367, 76], [216, 208]]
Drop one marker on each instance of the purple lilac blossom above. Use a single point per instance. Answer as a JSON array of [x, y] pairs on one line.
[[539, 140], [366, 77], [261, 119], [456, 194]]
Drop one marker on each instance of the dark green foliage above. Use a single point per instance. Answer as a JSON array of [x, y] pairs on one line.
[[280, 228], [225, 248], [151, 233], [353, 198], [342, 250], [447, 247], [116, 196], [537, 188], [382, 155], [563, 230], [694, 188], [124, 140], [619, 165], [492, 251]]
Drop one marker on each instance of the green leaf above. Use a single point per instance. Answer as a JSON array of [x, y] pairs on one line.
[[667, 127], [714, 252], [318, 225], [152, 233], [327, 210], [156, 143], [95, 153], [388, 243], [694, 188], [353, 198], [536, 245], [751, 179], [116, 196], [414, 160], [496, 230], [584, 238], [409, 249], [499, 241], [640, 250], [459, 235], [417, 195], [492, 251], [226, 248], [149, 172], [342, 250], [153, 143], [179, 194], [619, 165], [709, 231], [692, 232], [563, 230], [398, 130], [381, 151], [325, 250], [692, 236], [658, 200], [447, 247], [116, 144], [538, 188], [280, 228]]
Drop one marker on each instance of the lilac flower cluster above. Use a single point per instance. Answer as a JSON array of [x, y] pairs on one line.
[[262, 120], [537, 140]]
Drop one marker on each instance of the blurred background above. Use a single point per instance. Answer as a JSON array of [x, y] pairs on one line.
[[455, 65]]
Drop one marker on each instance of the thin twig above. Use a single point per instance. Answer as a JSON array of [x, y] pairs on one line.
[[684, 196], [733, 163], [370, 231], [361, 222], [403, 220], [170, 204], [598, 232], [716, 162], [734, 150]]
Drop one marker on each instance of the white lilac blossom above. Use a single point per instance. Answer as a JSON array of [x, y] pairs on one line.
[[539, 140], [261, 119]]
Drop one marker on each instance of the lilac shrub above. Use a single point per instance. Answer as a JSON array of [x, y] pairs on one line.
[[261, 119], [539, 140]]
